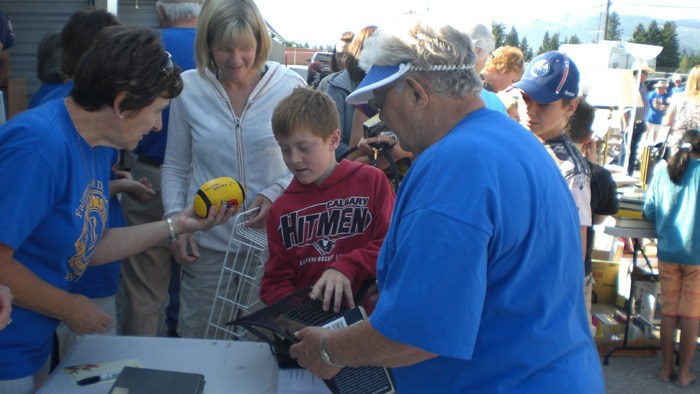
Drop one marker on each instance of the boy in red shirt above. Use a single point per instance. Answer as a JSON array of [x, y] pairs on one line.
[[327, 227]]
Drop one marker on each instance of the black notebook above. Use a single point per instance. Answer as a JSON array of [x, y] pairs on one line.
[[155, 381], [277, 323]]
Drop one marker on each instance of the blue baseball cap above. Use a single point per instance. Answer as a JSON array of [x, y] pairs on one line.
[[549, 77], [376, 77]]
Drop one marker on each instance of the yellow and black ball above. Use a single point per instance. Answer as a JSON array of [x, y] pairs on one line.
[[216, 191]]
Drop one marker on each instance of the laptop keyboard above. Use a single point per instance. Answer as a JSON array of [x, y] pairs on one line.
[[365, 380], [312, 313]]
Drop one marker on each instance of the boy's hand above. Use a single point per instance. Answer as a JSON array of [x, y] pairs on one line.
[[138, 190], [258, 221], [333, 284]]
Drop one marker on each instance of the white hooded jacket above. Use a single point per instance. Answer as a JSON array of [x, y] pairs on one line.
[[207, 140]]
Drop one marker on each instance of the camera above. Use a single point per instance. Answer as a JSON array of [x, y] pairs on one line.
[[373, 127]]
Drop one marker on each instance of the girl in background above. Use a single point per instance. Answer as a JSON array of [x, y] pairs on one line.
[[672, 202]]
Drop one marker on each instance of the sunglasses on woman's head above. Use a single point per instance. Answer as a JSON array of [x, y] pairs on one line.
[[167, 67]]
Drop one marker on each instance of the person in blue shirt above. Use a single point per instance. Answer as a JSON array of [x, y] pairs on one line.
[[99, 283], [678, 86], [55, 162], [484, 45], [476, 292], [48, 67], [659, 100], [76, 37], [151, 277], [672, 203]]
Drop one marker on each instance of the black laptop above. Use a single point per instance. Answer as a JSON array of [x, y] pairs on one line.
[[277, 323]]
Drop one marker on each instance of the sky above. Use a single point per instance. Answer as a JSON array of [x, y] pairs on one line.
[[321, 22]]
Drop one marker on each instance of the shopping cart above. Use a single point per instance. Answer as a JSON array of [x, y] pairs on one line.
[[238, 291]]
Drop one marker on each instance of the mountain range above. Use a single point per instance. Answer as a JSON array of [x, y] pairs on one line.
[[589, 29]]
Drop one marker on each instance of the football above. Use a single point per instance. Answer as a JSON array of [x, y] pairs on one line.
[[216, 191]]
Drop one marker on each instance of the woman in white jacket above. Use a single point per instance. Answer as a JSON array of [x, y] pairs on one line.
[[220, 126]]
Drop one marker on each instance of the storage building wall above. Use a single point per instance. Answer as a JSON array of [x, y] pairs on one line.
[[138, 12], [31, 20]]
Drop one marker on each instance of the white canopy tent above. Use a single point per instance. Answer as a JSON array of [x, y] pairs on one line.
[[599, 66]]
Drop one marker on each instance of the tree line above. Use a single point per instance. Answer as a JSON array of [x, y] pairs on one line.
[[670, 58]]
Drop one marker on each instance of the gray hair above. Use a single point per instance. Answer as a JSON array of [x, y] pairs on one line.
[[483, 38], [178, 11], [427, 47]]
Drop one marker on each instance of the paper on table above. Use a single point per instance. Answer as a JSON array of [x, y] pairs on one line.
[[300, 381], [78, 372]]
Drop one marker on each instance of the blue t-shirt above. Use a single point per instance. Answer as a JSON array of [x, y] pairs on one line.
[[59, 92], [676, 211], [44, 90], [179, 41], [54, 209], [656, 115], [481, 266], [492, 101], [102, 280], [677, 89]]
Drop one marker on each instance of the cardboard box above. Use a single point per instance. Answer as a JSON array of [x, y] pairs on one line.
[[647, 300], [605, 288], [606, 247]]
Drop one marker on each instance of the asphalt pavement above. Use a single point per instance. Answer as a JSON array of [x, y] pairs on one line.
[[638, 375]]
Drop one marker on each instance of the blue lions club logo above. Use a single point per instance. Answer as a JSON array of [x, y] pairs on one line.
[[540, 68]]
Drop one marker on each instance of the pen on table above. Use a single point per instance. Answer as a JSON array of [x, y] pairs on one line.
[[97, 378]]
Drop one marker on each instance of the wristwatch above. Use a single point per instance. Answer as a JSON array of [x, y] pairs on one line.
[[324, 354]]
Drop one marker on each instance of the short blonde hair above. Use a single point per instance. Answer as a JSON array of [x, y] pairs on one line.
[[506, 59], [230, 22], [307, 109]]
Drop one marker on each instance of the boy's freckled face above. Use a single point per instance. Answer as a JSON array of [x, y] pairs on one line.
[[310, 158]]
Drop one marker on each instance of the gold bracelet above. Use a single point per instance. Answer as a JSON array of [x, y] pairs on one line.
[[171, 228]]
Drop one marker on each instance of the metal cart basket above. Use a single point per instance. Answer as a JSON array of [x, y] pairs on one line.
[[238, 291]]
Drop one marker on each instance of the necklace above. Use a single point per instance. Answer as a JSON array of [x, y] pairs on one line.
[[82, 154], [79, 139]]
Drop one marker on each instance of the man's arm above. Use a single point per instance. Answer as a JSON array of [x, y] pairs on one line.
[[354, 346]]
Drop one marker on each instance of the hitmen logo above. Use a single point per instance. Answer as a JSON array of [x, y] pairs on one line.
[[322, 225], [93, 211]]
